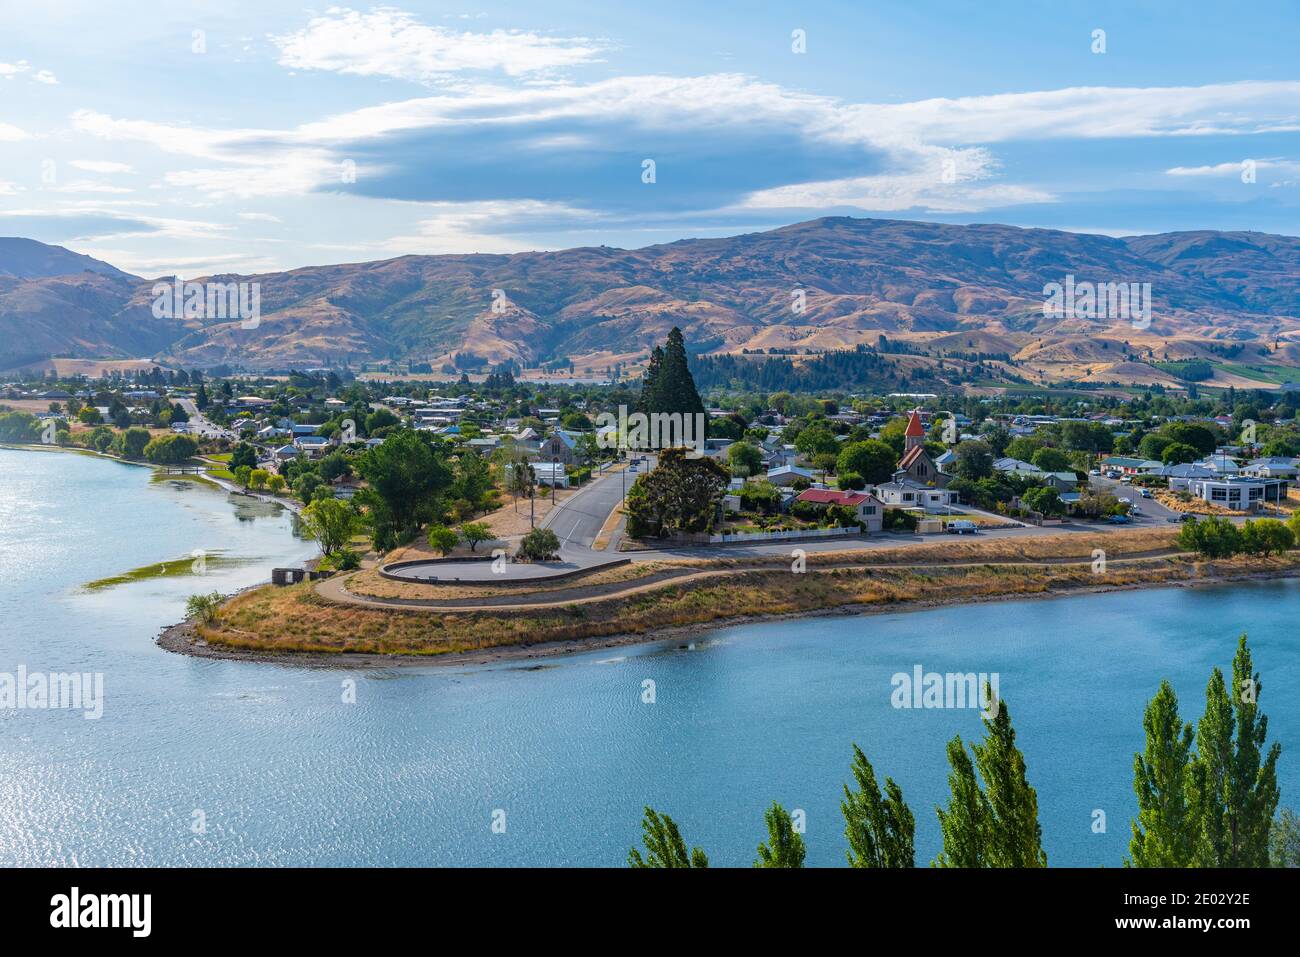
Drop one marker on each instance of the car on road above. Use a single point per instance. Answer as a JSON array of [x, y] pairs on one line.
[[1094, 471], [962, 526], [1180, 517], [1112, 475], [1119, 520], [1146, 493]]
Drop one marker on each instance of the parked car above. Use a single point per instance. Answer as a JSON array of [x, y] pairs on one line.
[[962, 526], [1126, 479], [1094, 472], [1119, 520], [1146, 493], [1112, 475]]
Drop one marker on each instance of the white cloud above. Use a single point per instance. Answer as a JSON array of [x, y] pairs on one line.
[[480, 227], [9, 189], [89, 186], [260, 217], [11, 70], [45, 76], [391, 43], [1235, 168], [12, 134], [101, 166]]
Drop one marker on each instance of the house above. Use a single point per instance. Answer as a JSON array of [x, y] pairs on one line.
[[945, 462], [903, 492], [1179, 476], [284, 453], [1271, 467], [551, 474], [1061, 481], [1130, 466], [312, 445], [786, 475], [1013, 465], [1237, 492], [868, 508]]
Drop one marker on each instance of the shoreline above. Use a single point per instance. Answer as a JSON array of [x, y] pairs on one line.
[[180, 638]]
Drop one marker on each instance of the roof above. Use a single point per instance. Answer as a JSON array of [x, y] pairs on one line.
[[829, 496], [791, 469], [910, 456], [914, 426]]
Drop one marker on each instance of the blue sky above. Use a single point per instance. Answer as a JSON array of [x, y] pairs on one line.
[[243, 137]]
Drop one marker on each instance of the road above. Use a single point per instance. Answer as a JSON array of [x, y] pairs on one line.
[[198, 423], [578, 519], [1150, 511]]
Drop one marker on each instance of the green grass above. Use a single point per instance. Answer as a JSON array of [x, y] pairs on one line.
[[172, 568], [222, 456], [1276, 375], [226, 474]]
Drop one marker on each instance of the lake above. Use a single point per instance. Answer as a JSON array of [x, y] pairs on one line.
[[270, 765]]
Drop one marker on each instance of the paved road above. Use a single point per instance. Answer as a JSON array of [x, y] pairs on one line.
[[198, 423], [578, 520], [1150, 512]]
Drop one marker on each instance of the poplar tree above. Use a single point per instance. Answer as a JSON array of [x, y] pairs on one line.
[[1164, 832], [996, 826], [1233, 784], [881, 828], [664, 845], [785, 847]]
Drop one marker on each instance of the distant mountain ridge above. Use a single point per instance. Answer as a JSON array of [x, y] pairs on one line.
[[823, 284]]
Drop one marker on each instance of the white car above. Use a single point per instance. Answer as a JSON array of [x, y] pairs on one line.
[[962, 526]]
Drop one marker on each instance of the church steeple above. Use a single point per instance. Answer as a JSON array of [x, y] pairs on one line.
[[915, 434]]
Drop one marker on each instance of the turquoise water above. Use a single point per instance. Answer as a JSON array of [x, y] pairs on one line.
[[284, 772]]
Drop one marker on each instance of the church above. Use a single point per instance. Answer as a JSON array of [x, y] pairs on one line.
[[916, 463]]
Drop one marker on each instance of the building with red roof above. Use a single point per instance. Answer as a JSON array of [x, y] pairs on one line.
[[869, 509]]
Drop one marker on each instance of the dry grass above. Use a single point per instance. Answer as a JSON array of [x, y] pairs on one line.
[[296, 619]]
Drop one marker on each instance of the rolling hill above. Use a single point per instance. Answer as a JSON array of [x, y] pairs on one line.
[[825, 284]]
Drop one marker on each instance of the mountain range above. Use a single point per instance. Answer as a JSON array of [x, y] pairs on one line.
[[824, 284]]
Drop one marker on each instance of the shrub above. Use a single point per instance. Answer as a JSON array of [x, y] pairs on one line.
[[203, 607], [539, 545], [442, 539]]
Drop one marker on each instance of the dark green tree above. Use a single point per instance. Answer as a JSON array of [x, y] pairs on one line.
[[1234, 784], [998, 825], [1165, 829], [785, 846], [881, 828], [664, 845]]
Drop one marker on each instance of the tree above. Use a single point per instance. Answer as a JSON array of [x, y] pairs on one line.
[[881, 828], [1051, 460], [331, 522], [816, 439], [475, 532], [681, 494], [745, 458], [872, 459], [1176, 453], [1198, 436], [242, 475], [1211, 537], [1044, 499], [1234, 786], [1164, 830], [1266, 536], [244, 454], [974, 460], [1284, 840], [442, 539], [521, 481], [539, 545], [134, 442], [406, 476], [664, 845], [258, 478], [785, 846], [275, 484], [998, 825], [170, 449]]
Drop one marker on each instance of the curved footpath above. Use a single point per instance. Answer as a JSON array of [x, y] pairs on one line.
[[335, 589]]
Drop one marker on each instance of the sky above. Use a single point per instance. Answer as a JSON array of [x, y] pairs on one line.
[[244, 137]]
